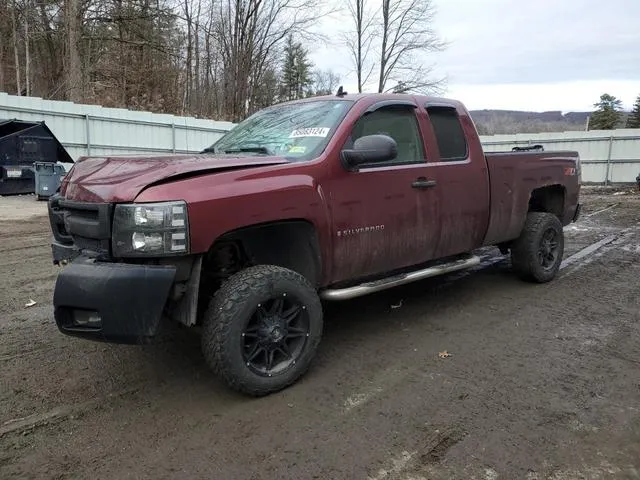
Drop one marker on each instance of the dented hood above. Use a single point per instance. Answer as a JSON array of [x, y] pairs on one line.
[[121, 179]]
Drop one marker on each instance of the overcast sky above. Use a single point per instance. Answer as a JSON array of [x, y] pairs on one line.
[[527, 55]]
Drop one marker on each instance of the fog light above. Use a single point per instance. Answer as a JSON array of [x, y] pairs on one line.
[[86, 318]]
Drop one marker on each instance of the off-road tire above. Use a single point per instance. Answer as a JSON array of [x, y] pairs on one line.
[[229, 312], [524, 251]]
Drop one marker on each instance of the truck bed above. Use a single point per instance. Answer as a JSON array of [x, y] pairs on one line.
[[515, 175]]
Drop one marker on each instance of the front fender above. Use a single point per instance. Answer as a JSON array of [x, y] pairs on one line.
[[225, 202]]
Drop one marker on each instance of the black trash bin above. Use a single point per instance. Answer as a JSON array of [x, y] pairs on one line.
[[48, 177], [21, 145]]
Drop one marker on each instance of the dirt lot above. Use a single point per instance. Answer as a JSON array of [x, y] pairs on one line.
[[543, 381]]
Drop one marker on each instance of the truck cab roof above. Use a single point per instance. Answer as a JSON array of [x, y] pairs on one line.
[[375, 97]]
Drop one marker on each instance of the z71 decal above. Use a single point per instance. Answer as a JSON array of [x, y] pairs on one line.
[[569, 171]]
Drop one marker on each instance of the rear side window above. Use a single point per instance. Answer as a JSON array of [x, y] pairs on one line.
[[449, 134]]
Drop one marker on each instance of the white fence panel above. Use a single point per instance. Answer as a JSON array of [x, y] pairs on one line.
[[608, 156], [93, 130]]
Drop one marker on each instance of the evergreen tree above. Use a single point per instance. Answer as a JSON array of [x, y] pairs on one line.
[[634, 117], [608, 113], [296, 71]]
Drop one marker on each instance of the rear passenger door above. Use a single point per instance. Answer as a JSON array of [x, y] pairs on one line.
[[460, 172]]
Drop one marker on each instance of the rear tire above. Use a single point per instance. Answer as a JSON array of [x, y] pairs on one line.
[[262, 329], [537, 254]]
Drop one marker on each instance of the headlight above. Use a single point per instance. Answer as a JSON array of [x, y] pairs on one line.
[[150, 229]]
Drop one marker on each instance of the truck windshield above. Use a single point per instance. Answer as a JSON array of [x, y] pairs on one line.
[[296, 131]]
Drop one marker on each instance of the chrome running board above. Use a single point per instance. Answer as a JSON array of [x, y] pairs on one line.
[[401, 279]]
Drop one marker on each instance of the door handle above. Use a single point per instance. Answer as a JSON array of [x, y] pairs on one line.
[[422, 182]]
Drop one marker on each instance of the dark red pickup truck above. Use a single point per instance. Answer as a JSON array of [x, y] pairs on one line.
[[325, 198]]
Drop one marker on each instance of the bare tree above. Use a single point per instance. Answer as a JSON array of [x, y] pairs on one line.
[[325, 82], [250, 34], [406, 35], [16, 54], [73, 69], [359, 42], [4, 33], [196, 44], [192, 83], [27, 56], [48, 42], [211, 92], [188, 69], [2, 64], [213, 58]]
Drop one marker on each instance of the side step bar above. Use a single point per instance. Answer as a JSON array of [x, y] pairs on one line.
[[401, 279]]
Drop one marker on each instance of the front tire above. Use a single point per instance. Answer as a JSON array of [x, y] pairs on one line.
[[537, 254], [262, 329]]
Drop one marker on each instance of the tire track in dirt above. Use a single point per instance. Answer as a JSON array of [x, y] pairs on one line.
[[27, 246], [40, 258], [579, 398]]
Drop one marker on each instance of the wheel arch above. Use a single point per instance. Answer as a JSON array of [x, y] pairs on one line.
[[291, 243], [543, 199], [549, 199]]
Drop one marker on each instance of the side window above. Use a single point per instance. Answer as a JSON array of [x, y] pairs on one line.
[[400, 124], [449, 134]]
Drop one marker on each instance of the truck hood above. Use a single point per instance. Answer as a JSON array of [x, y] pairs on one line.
[[121, 179]]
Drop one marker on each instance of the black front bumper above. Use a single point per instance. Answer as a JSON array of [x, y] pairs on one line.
[[128, 298]]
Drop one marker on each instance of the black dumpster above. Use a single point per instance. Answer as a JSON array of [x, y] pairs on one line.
[[21, 144]]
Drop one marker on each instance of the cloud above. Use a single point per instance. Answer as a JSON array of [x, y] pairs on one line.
[[546, 41], [563, 52], [574, 96]]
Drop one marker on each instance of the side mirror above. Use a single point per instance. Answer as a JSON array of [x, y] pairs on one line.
[[370, 149]]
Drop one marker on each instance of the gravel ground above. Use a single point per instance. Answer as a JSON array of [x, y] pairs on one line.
[[543, 381]]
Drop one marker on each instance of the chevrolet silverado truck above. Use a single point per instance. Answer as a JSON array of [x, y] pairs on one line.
[[327, 198]]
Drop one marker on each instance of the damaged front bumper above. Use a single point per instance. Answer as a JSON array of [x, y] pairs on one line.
[[111, 302]]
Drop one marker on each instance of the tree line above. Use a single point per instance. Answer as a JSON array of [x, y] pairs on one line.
[[219, 59], [607, 115]]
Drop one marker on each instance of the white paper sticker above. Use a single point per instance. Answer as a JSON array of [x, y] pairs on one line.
[[14, 173], [310, 132]]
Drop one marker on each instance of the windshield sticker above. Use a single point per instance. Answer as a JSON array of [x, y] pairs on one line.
[[297, 149], [310, 132]]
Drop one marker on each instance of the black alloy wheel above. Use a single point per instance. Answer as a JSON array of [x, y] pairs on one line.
[[262, 329], [275, 335], [536, 255], [549, 249]]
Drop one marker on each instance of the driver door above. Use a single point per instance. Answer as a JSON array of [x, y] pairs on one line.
[[383, 215]]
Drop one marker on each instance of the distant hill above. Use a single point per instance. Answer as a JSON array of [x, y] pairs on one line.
[[491, 122]]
